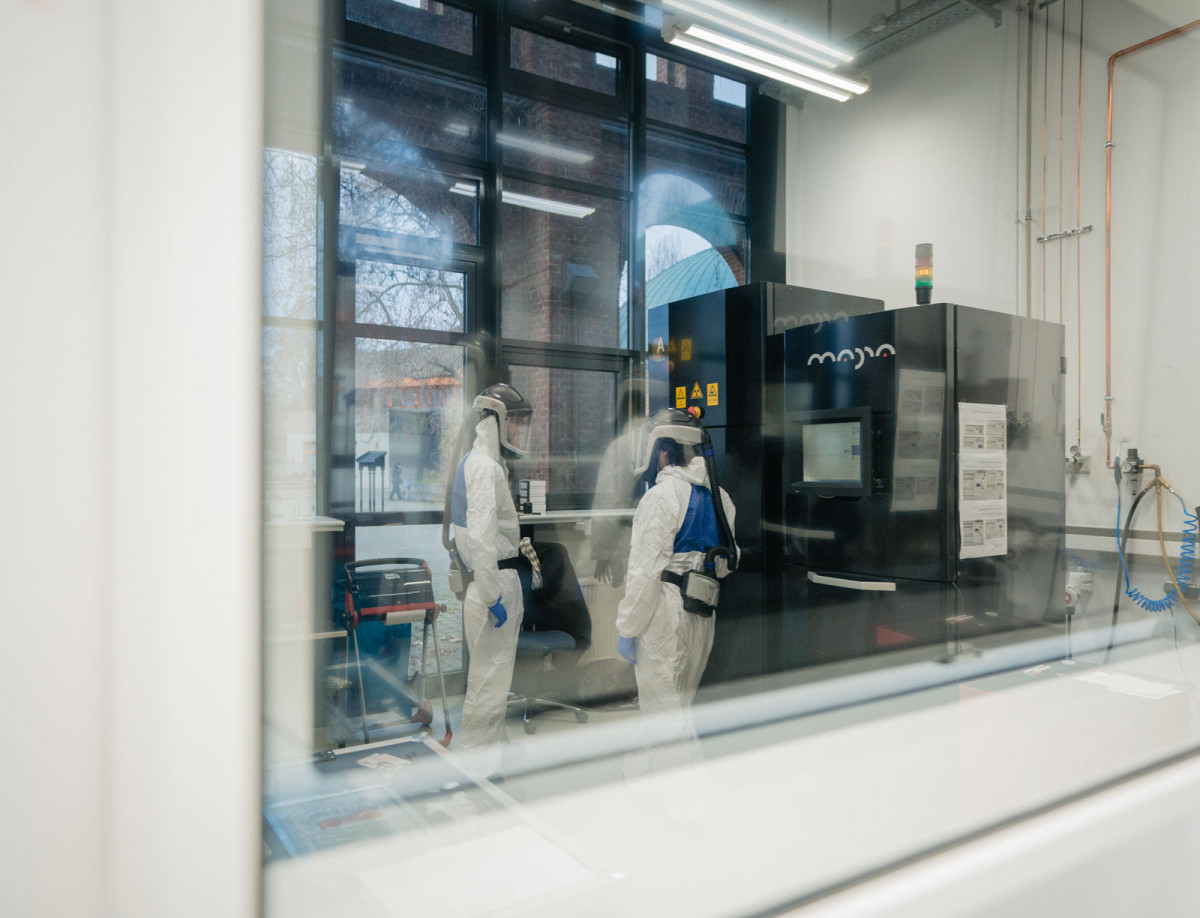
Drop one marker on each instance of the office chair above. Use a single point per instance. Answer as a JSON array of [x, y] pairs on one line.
[[535, 657]]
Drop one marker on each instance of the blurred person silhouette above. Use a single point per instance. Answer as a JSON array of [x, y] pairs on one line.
[[616, 484], [397, 472]]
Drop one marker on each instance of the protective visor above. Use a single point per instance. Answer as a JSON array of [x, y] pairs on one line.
[[687, 437], [517, 432]]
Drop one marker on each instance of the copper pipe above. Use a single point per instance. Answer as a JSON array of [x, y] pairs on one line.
[[1078, 247], [1062, 81], [1045, 111], [1108, 145]]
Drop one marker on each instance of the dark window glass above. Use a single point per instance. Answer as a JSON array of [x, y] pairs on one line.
[[573, 423], [408, 296], [556, 141], [721, 174], [384, 114], [695, 99], [563, 256], [436, 23], [557, 60], [413, 201]]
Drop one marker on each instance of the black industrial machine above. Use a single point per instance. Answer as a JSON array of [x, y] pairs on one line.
[[923, 482], [722, 351]]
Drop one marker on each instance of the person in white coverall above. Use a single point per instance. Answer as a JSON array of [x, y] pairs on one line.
[[487, 537], [675, 522]]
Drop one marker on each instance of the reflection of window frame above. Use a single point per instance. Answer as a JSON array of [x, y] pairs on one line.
[[489, 67]]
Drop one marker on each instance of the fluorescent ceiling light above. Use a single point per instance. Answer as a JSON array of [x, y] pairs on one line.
[[777, 60], [763, 69], [562, 208], [549, 205], [542, 148], [756, 27]]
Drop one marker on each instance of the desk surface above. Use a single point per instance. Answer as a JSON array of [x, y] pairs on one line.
[[575, 516]]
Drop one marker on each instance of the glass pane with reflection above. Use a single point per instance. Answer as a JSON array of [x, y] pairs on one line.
[[574, 421], [564, 257], [436, 23], [689, 97], [557, 141], [386, 113], [289, 218], [408, 296], [566, 63], [407, 411], [414, 201]]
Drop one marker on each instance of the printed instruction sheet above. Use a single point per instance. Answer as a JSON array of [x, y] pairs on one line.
[[916, 462], [982, 480]]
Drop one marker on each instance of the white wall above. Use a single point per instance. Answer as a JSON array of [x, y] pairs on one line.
[[132, 131], [935, 153]]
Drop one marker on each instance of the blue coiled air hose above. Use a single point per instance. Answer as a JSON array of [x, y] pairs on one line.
[[1187, 556]]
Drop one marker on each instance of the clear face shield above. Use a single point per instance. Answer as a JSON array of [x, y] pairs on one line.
[[678, 442], [518, 432]]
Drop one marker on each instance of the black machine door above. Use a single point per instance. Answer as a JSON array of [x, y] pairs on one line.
[[891, 372]]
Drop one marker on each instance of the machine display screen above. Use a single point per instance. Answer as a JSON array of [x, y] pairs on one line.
[[833, 452], [828, 453]]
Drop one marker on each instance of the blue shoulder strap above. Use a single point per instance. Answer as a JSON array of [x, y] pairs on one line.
[[458, 496], [699, 530]]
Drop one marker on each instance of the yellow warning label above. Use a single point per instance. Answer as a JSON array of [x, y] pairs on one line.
[[712, 393], [685, 349], [696, 393], [681, 396]]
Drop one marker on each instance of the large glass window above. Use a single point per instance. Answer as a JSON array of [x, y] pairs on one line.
[[567, 63], [564, 256], [698, 100], [419, 201], [384, 113], [436, 23], [556, 141], [572, 425]]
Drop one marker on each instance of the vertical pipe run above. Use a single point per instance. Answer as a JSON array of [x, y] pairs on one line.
[[1108, 145]]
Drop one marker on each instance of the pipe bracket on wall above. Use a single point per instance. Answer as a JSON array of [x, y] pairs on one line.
[[986, 9], [1078, 231]]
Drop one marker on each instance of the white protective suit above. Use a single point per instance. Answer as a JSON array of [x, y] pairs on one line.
[[672, 644], [491, 534]]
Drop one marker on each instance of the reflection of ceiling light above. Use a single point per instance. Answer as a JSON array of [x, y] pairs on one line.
[[348, 166], [549, 205], [679, 40], [732, 19], [776, 60], [542, 148], [457, 128]]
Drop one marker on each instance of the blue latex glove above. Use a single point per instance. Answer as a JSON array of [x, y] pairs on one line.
[[627, 648], [497, 609]]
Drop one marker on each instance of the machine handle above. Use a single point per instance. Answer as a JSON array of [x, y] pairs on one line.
[[878, 586]]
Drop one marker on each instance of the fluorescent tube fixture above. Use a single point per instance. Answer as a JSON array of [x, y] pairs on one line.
[[679, 40], [710, 37], [542, 148], [549, 205], [732, 19], [562, 208]]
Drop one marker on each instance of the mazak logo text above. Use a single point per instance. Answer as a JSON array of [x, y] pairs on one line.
[[858, 356]]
